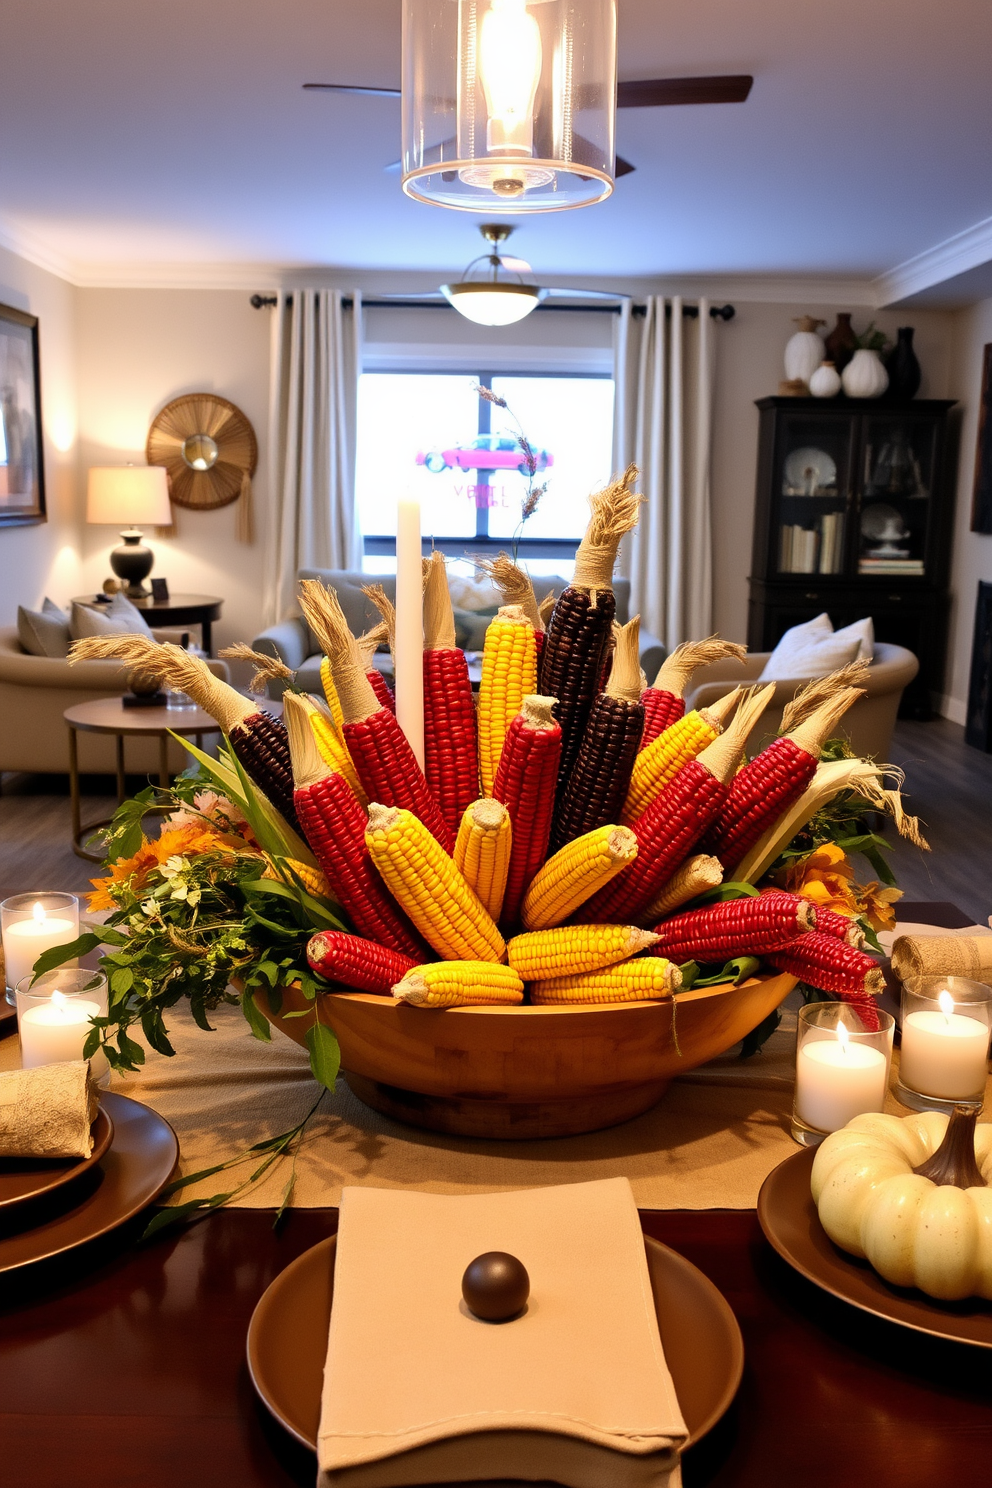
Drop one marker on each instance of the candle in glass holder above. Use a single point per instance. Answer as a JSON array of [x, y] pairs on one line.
[[55, 1031], [837, 1080], [29, 929], [944, 1053]]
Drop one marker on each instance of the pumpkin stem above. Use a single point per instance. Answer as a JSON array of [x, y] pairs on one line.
[[954, 1164]]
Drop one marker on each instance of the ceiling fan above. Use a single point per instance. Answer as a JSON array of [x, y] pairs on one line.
[[636, 93]]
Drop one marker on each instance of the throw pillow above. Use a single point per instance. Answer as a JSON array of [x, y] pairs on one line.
[[810, 650], [865, 632], [471, 627], [44, 632], [118, 618]]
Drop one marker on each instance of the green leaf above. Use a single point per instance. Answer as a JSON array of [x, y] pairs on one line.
[[199, 1014], [735, 971], [690, 972], [755, 1041], [130, 1051], [325, 1054], [121, 980], [257, 1021], [60, 954], [154, 1030]]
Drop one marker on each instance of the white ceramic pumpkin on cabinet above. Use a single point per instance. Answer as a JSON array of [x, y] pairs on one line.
[[825, 382], [864, 376], [805, 350]]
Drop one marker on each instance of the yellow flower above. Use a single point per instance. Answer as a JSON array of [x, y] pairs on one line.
[[877, 904], [825, 877]]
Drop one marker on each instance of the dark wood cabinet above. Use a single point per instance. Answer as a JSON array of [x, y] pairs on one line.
[[853, 515]]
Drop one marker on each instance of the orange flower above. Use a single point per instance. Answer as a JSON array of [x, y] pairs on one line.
[[825, 877], [192, 837], [878, 904]]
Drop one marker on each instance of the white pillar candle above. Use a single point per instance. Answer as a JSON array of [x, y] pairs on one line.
[[25, 940], [54, 1032], [944, 1054], [409, 643], [837, 1080]]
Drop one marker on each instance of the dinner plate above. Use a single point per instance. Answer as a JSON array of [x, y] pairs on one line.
[[791, 1224], [287, 1339], [133, 1171], [24, 1178], [808, 467]]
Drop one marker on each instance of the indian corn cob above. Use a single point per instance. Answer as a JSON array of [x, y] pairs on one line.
[[330, 743], [514, 585], [370, 642], [450, 739], [674, 822], [444, 984], [578, 631], [426, 884], [735, 927], [361, 965], [330, 692], [525, 783], [645, 979], [482, 851], [655, 766], [664, 700], [574, 874], [694, 876], [774, 780], [334, 825], [570, 950], [596, 790], [291, 870], [509, 674], [829, 922], [830, 964]]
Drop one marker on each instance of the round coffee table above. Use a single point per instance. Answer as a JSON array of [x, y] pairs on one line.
[[109, 716]]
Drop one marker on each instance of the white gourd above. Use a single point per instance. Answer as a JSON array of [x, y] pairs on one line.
[[912, 1230]]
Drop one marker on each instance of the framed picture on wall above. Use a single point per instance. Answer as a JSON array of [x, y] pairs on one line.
[[981, 505], [22, 470]]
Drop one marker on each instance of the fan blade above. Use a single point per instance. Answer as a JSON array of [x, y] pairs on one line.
[[664, 92], [352, 88]]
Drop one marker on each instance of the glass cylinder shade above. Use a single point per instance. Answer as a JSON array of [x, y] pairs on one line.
[[509, 105]]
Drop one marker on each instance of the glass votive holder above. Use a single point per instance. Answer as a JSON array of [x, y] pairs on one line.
[[54, 1017], [842, 1068], [31, 924], [944, 1061]]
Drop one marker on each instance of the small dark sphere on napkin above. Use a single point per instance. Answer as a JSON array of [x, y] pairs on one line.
[[495, 1286]]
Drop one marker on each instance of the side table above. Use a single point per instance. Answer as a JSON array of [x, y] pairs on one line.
[[109, 716], [179, 609]]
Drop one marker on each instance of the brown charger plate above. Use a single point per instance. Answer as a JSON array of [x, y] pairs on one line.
[[788, 1216], [134, 1170], [287, 1339], [24, 1178]]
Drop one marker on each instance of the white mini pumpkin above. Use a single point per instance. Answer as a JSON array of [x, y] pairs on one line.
[[932, 1232]]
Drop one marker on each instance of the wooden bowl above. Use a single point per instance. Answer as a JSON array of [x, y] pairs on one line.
[[528, 1072]]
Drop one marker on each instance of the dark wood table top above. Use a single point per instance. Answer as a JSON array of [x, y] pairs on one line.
[[124, 1364], [157, 608]]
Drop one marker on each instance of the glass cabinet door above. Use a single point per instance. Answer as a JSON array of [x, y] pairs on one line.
[[896, 492], [811, 488]]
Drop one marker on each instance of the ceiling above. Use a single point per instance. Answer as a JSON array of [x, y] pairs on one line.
[[136, 133]]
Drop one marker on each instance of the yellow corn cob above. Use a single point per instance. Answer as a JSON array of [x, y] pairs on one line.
[[509, 674], [575, 873], [656, 765], [426, 884], [644, 980], [570, 950], [442, 984], [695, 876], [331, 746], [482, 851], [311, 878], [330, 692]]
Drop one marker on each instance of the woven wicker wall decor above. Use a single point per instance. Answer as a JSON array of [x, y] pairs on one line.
[[209, 449]]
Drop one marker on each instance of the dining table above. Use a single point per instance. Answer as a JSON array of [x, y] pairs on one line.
[[123, 1363]]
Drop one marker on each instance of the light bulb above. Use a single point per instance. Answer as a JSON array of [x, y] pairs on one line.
[[510, 57]]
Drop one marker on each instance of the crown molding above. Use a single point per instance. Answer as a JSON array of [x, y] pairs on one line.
[[237, 276], [965, 250], [35, 251]]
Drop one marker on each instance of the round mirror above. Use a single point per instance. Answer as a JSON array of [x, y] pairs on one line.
[[200, 452]]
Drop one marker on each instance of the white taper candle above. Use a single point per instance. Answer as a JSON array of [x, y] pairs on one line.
[[409, 643]]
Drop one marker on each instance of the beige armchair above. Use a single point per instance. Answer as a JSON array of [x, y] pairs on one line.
[[35, 692], [868, 724]]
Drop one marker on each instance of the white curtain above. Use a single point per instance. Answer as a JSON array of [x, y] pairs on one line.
[[663, 368], [315, 366]]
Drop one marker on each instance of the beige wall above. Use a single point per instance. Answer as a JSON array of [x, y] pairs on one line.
[[44, 559]]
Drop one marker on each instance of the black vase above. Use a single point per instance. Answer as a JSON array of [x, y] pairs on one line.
[[903, 368]]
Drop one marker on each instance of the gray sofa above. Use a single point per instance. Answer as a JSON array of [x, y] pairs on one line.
[[292, 642]]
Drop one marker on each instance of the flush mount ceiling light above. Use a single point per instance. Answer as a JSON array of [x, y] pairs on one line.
[[494, 301], [509, 104]]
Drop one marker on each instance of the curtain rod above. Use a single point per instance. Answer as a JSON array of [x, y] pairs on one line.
[[717, 312]]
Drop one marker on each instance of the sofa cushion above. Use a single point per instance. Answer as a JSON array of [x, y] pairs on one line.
[[811, 650], [119, 617], [864, 630], [471, 627], [44, 632]]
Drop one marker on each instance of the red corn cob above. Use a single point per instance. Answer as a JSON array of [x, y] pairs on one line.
[[829, 922], [664, 700], [451, 751], [825, 962], [388, 770], [362, 965], [334, 825], [735, 927], [381, 688], [525, 784], [774, 781]]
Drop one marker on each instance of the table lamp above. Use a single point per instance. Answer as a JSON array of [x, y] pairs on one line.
[[130, 494]]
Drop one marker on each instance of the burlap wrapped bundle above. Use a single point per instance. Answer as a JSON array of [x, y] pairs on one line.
[[943, 955], [48, 1111]]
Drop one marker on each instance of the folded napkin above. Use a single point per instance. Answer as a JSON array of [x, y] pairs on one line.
[[417, 1390], [943, 955], [48, 1111]]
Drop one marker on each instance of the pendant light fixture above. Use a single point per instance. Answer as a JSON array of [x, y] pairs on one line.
[[492, 301], [509, 105]]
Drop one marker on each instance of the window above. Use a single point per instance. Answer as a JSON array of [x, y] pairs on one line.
[[432, 433]]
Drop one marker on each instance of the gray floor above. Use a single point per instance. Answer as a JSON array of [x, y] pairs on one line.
[[948, 785]]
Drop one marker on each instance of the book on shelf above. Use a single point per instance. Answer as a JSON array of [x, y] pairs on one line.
[[832, 543], [891, 565], [798, 549]]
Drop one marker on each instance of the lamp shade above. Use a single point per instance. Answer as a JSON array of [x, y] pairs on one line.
[[493, 304], [128, 495], [509, 105]]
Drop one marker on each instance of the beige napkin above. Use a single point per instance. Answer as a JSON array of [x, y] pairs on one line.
[[417, 1390], [943, 955], [48, 1111]]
